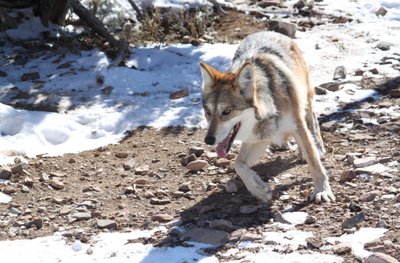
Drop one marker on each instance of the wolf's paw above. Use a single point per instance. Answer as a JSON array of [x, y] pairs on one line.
[[261, 192], [322, 196]]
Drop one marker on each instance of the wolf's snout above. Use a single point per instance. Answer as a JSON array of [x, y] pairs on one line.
[[209, 140]]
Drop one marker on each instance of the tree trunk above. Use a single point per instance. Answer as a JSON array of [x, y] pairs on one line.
[[53, 11]]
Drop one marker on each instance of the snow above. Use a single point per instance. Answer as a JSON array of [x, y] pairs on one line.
[[87, 119]]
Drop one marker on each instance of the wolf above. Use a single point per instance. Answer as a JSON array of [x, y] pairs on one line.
[[264, 98]]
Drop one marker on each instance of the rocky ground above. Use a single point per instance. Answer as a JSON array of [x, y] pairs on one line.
[[169, 177]]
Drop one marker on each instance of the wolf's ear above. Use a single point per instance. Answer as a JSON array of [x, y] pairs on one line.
[[207, 73], [245, 81]]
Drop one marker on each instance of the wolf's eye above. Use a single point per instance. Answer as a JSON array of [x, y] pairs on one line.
[[226, 112]]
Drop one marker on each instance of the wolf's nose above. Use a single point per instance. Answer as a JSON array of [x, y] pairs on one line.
[[209, 140]]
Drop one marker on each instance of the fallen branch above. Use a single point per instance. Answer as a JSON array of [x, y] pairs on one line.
[[98, 27]]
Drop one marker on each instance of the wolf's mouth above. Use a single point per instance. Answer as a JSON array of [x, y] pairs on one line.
[[224, 146]]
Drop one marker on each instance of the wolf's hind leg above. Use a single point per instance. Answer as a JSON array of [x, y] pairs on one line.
[[313, 126], [322, 189], [249, 153]]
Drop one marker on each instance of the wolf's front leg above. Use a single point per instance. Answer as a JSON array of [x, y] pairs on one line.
[[256, 186]]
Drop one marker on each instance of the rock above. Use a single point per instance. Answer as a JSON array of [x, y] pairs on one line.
[[364, 162], [121, 155], [142, 169], [81, 215], [353, 221], [382, 224], [5, 173], [384, 46], [3, 74], [25, 189], [197, 151], [354, 207], [156, 201], [205, 235], [188, 159], [211, 155], [221, 224], [196, 165], [342, 248], [331, 86], [381, 11], [5, 198], [65, 210], [129, 165], [56, 184], [44, 177], [347, 176], [185, 187], [314, 243], [231, 187], [162, 218], [38, 223], [106, 223], [222, 162], [141, 182], [14, 211], [278, 217], [179, 94], [380, 258], [329, 126], [268, 3], [206, 208], [285, 28], [107, 90], [17, 169], [358, 72], [310, 220], [30, 76], [248, 209], [340, 73], [320, 91]]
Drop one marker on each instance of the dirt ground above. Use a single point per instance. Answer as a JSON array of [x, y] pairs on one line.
[[142, 182]]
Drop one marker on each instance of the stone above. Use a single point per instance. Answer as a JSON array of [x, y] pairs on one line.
[[5, 173], [282, 27], [197, 151], [107, 90], [56, 184], [347, 176], [231, 187], [30, 76], [310, 220], [106, 224], [314, 242], [384, 46], [354, 207], [268, 3], [222, 162], [381, 11], [278, 217], [17, 169], [185, 187], [340, 73], [320, 91], [162, 218], [248, 209], [129, 165], [353, 221], [37, 222], [196, 165], [156, 201], [179, 94], [121, 155], [188, 159], [4, 198], [364, 162], [44, 177], [380, 258], [331, 86], [342, 248], [142, 169], [206, 208], [205, 235], [329, 126], [141, 182], [65, 210], [221, 224], [81, 215]]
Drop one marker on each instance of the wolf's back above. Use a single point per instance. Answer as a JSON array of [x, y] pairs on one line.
[[262, 42]]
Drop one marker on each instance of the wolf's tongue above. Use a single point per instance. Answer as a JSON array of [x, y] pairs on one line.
[[222, 147]]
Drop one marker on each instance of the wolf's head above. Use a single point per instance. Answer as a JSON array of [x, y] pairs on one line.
[[229, 100]]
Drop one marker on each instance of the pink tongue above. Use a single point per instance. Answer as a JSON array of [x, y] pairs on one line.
[[222, 147]]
